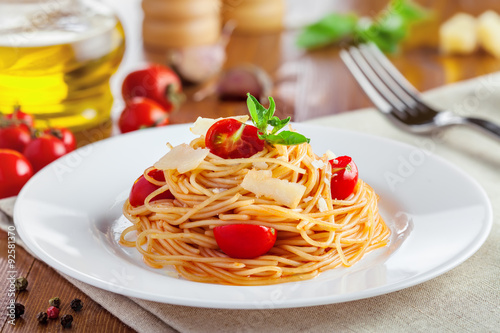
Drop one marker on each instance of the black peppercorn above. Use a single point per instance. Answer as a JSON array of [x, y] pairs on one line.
[[18, 310], [55, 301], [42, 317], [66, 321], [21, 283], [76, 304]]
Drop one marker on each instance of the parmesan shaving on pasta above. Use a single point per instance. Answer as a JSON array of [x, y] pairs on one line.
[[183, 158], [262, 183], [201, 125]]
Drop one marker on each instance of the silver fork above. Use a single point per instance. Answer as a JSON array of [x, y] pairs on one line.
[[397, 98]]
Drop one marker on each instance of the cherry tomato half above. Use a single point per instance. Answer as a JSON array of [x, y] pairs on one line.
[[142, 188], [15, 136], [156, 82], [244, 241], [142, 113], [65, 135], [44, 150], [230, 138], [344, 177], [15, 171]]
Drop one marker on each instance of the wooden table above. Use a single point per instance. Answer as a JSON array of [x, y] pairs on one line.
[[319, 85]]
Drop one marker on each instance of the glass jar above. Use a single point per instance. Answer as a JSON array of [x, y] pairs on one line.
[[56, 59]]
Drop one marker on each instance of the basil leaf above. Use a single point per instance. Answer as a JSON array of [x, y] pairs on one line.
[[258, 113], [287, 138], [278, 123], [252, 109], [392, 26], [329, 29], [408, 10], [263, 117], [271, 109]]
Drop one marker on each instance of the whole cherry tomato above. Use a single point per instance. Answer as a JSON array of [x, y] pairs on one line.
[[156, 82], [244, 241], [142, 188], [21, 117], [142, 113], [15, 136], [65, 135], [44, 150], [344, 177], [230, 138], [15, 171]]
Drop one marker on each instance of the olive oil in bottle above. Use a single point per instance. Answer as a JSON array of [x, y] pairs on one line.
[[56, 59]]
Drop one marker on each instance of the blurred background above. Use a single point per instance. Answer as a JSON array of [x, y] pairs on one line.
[[315, 83], [219, 49]]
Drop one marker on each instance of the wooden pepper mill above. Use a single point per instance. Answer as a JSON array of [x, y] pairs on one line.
[[255, 16], [170, 24]]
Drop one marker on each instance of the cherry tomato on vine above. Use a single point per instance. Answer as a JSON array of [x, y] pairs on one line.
[[15, 136], [344, 177], [142, 188], [158, 83], [15, 171], [230, 138], [65, 135], [44, 150], [21, 117], [142, 113], [244, 241]]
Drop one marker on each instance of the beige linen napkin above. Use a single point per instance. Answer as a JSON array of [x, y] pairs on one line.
[[466, 299]]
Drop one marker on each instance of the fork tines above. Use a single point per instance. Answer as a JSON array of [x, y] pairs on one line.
[[382, 82]]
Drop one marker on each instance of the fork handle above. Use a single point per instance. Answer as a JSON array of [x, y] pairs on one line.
[[487, 126]]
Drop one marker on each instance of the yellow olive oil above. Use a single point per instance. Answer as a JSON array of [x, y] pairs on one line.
[[57, 64]]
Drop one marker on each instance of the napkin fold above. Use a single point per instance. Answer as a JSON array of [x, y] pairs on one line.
[[464, 299]]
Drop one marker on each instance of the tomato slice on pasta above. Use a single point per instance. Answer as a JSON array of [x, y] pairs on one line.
[[230, 138]]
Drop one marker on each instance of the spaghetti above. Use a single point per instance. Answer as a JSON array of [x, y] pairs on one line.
[[319, 234]]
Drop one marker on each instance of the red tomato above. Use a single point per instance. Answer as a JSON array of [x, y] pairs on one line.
[[15, 136], [156, 82], [244, 241], [22, 117], [15, 171], [65, 135], [142, 113], [344, 177], [230, 138], [44, 150], [142, 188]]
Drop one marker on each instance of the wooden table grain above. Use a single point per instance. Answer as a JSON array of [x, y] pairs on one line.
[[307, 85]]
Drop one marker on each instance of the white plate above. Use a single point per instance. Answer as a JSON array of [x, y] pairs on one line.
[[69, 215]]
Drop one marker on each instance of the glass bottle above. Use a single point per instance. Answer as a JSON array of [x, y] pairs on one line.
[[56, 59]]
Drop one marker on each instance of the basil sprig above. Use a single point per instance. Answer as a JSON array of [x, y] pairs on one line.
[[263, 118], [386, 30]]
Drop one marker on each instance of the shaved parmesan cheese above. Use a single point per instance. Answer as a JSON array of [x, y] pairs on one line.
[[261, 183], [458, 35], [201, 125], [260, 165], [318, 164], [488, 27], [330, 155], [309, 198], [183, 157], [322, 206]]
